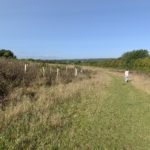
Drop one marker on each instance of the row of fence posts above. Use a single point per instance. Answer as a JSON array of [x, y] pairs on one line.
[[57, 75]]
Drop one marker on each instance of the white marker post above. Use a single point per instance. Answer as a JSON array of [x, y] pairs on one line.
[[76, 72], [57, 73], [25, 68]]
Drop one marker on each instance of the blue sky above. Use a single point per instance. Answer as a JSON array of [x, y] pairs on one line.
[[74, 28]]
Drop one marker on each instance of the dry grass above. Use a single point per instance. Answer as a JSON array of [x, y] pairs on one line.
[[14, 75], [141, 82], [47, 109], [41, 98]]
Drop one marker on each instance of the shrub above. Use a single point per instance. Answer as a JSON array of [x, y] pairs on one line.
[[50, 76], [31, 75], [13, 74], [7, 53], [67, 76]]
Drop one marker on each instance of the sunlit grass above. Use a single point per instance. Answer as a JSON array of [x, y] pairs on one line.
[[101, 113]]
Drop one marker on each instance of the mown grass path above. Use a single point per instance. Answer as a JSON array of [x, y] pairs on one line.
[[125, 117], [105, 114], [115, 117]]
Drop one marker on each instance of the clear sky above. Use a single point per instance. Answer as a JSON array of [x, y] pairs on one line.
[[74, 28]]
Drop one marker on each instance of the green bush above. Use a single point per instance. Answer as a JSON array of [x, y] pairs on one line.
[[6, 53]]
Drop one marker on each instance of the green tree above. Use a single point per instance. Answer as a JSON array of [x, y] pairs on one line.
[[7, 53], [129, 57]]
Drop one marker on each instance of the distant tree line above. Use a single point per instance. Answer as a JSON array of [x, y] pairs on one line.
[[135, 60]]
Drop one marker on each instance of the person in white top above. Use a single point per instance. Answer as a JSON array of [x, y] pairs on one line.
[[126, 75]]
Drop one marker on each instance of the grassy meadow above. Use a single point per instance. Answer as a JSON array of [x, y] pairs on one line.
[[95, 111]]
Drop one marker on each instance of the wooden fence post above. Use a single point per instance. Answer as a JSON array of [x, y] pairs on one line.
[[76, 72], [43, 71]]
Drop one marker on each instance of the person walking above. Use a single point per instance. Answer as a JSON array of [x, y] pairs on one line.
[[126, 75]]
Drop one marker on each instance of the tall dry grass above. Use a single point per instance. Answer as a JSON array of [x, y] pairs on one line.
[[39, 100], [15, 74], [141, 81], [37, 115]]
